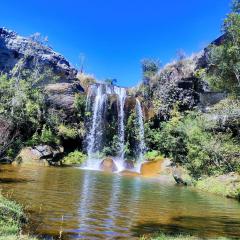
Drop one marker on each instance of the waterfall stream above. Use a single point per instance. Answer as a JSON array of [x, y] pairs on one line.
[[94, 137], [121, 93], [141, 144], [96, 105]]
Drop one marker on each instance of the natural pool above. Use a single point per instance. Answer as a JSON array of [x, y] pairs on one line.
[[81, 204]]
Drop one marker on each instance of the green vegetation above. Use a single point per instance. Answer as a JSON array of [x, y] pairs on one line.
[[153, 155], [67, 132], [75, 157], [224, 70], [11, 220], [228, 186], [190, 141]]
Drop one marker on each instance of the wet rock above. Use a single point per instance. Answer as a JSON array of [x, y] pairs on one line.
[[42, 155], [108, 165], [5, 160], [129, 173], [128, 164], [152, 168], [181, 176]]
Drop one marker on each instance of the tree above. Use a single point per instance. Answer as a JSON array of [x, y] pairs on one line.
[[224, 70], [150, 67], [111, 81]]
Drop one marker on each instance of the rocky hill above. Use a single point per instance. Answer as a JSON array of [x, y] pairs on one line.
[[17, 52]]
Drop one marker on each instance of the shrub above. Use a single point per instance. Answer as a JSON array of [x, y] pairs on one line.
[[152, 155], [47, 136], [67, 132], [75, 157]]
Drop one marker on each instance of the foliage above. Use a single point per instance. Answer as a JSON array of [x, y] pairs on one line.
[[150, 67], [152, 155], [67, 132], [110, 81], [11, 219], [189, 141], [75, 157], [224, 72], [80, 104], [45, 136], [86, 80], [20, 100], [225, 187]]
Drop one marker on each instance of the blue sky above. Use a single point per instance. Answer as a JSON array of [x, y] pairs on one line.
[[114, 35]]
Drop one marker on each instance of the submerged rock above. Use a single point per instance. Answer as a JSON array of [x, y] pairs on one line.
[[42, 155], [108, 165], [152, 168], [128, 164], [129, 173]]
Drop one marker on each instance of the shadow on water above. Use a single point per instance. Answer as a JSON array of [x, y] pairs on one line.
[[14, 180], [189, 225]]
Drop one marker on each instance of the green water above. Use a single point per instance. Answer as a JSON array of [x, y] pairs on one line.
[[80, 204]]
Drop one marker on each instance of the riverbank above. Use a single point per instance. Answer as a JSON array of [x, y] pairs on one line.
[[12, 219], [163, 236]]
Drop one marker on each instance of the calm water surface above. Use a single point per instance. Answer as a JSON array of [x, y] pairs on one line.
[[83, 204]]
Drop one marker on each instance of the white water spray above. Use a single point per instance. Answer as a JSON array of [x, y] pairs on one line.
[[141, 148]]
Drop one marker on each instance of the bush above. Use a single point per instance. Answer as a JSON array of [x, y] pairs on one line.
[[189, 141], [67, 132], [75, 157], [153, 155]]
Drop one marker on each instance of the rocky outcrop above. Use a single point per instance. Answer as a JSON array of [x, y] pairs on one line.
[[7, 136], [61, 96], [25, 53], [151, 168], [42, 155], [181, 176], [108, 165]]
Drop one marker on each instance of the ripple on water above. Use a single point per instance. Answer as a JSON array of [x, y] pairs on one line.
[[95, 205]]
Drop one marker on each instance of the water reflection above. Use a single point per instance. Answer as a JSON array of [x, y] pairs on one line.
[[82, 204]]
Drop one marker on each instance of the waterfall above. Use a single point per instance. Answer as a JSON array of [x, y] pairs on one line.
[[96, 104], [95, 135], [141, 144], [121, 93]]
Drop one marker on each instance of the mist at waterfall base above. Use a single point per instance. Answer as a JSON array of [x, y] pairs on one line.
[[96, 105]]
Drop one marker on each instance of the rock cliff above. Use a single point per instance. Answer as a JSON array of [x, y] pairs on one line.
[[17, 53]]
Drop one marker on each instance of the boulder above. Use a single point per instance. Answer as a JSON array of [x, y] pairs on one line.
[[128, 164], [151, 168], [42, 155], [108, 165], [62, 95], [181, 176]]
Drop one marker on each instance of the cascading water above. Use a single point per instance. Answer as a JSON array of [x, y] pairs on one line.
[[96, 104], [141, 148], [94, 137], [121, 93]]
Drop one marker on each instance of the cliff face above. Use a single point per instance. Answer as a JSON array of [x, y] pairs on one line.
[[25, 53]]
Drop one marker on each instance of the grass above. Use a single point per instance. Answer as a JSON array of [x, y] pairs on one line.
[[162, 236], [228, 187], [11, 221]]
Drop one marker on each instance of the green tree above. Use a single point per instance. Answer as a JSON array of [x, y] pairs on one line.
[[224, 71]]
